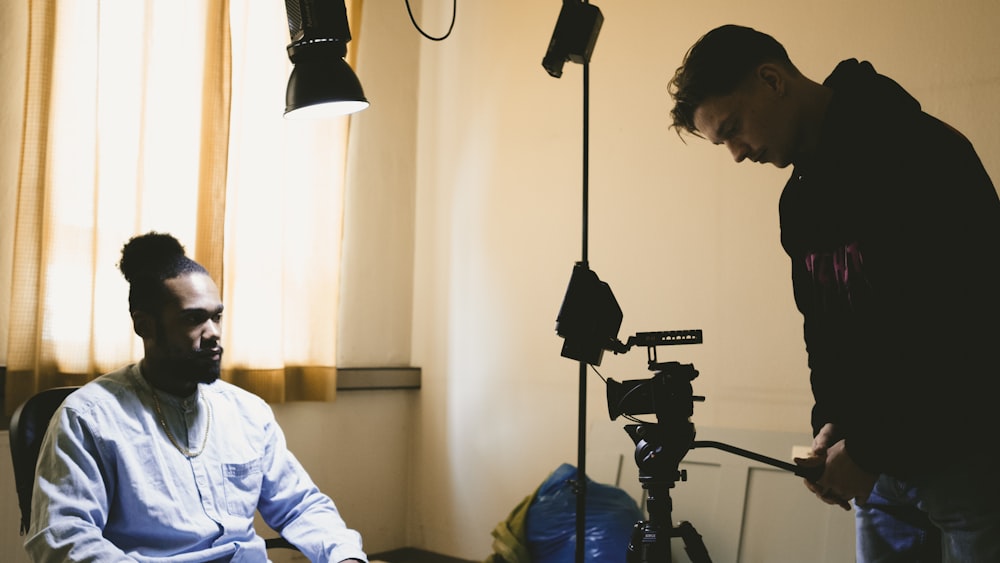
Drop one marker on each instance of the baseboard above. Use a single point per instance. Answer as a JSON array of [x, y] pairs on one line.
[[414, 555]]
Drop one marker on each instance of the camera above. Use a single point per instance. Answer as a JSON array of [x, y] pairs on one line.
[[668, 394]]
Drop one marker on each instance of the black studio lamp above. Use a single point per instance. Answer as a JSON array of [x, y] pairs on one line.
[[322, 84]]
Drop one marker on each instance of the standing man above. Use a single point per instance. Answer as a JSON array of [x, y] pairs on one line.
[[893, 230], [160, 460]]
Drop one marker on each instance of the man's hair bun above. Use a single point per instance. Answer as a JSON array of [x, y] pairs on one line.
[[150, 255], [147, 262]]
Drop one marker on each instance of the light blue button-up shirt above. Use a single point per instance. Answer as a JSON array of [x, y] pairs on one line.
[[112, 486]]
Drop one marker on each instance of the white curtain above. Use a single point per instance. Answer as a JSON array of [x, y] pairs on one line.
[[166, 115]]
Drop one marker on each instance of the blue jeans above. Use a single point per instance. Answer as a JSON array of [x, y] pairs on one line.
[[952, 517]]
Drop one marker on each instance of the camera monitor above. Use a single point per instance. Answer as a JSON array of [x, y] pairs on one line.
[[589, 319]]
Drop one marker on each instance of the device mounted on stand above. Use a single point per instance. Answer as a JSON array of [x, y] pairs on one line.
[[589, 320]]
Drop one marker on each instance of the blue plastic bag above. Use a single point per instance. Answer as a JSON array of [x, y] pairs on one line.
[[551, 521]]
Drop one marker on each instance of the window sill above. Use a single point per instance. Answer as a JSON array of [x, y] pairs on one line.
[[364, 379]]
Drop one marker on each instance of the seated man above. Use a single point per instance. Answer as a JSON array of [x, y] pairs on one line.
[[162, 461]]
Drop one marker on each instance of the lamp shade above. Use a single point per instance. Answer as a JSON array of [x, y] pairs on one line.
[[322, 84], [323, 87]]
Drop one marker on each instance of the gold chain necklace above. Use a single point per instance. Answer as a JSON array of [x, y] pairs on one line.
[[163, 422]]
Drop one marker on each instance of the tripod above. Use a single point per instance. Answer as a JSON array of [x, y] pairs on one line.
[[660, 447], [658, 471]]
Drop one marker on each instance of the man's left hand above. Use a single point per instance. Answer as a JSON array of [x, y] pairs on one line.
[[844, 479]]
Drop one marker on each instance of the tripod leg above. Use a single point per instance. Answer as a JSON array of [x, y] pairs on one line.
[[693, 545]]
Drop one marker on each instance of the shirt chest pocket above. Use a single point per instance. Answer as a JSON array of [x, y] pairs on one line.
[[242, 483]]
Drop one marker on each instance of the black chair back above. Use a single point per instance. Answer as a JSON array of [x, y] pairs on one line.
[[27, 428]]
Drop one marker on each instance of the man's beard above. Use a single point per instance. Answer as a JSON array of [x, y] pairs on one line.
[[195, 366]]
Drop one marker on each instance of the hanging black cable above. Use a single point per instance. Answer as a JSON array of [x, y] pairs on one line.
[[454, 11]]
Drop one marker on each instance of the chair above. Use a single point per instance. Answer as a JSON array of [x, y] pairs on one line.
[[27, 428]]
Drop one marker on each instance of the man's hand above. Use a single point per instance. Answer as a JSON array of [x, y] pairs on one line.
[[823, 493], [842, 479], [827, 437]]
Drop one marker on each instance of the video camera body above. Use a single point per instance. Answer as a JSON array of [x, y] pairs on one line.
[[659, 448]]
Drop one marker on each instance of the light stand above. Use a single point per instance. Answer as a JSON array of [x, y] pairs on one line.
[[573, 40]]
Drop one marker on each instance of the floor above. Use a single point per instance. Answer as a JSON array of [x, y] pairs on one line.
[[411, 555]]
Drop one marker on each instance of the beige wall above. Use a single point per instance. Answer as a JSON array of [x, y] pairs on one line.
[[479, 189]]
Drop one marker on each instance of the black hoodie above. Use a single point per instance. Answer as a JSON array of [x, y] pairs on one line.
[[893, 230]]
